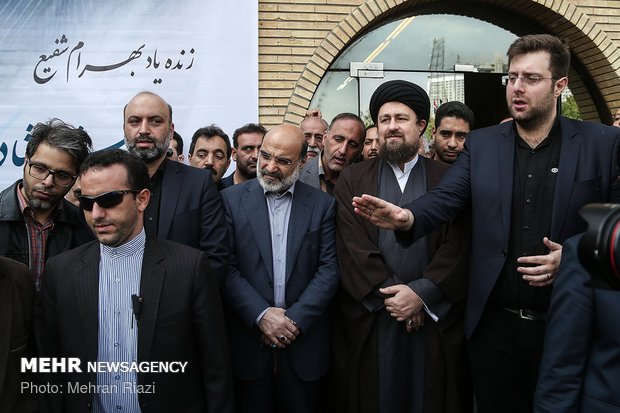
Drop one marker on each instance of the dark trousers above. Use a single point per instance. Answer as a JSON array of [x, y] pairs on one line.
[[504, 355], [279, 390]]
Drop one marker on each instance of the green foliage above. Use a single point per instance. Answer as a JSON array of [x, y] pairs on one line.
[[570, 108]]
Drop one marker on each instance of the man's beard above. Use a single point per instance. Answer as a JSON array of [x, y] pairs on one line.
[[246, 171], [279, 187], [536, 115], [38, 203], [148, 154], [401, 152]]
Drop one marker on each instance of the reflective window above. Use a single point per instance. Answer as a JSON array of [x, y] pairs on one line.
[[431, 50]]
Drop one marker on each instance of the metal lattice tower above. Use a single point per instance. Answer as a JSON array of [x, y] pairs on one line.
[[437, 54]]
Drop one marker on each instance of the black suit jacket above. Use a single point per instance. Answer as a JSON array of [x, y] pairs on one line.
[[16, 299], [181, 320], [580, 367], [483, 177], [190, 212]]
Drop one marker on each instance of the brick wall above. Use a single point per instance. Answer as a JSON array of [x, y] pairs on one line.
[[299, 40]]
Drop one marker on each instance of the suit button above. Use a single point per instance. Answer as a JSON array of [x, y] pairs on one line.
[[503, 253]]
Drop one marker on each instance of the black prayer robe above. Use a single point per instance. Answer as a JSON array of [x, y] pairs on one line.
[[447, 387]]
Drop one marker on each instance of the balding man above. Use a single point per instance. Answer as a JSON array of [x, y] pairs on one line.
[[282, 276], [185, 205]]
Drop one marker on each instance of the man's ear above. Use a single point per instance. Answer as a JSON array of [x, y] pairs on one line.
[[142, 199]]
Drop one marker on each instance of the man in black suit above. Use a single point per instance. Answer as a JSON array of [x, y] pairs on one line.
[[185, 205], [132, 298], [16, 299], [525, 181], [579, 369]]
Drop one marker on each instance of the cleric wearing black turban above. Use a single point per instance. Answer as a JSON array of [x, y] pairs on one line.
[[390, 354], [402, 91]]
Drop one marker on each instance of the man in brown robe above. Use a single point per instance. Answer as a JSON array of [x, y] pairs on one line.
[[398, 316]]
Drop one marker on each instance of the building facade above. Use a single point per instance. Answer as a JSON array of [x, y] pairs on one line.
[[306, 50]]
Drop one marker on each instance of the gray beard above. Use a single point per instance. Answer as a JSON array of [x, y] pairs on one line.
[[151, 154], [279, 187]]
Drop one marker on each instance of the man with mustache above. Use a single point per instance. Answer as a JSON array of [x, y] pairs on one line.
[[371, 143], [313, 128], [525, 181], [185, 205], [36, 222], [282, 276], [398, 316], [342, 144], [210, 149], [246, 142], [453, 121]]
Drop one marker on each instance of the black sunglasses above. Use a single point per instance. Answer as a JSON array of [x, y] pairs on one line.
[[106, 200]]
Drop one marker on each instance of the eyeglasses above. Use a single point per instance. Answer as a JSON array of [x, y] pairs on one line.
[[59, 178], [280, 161], [530, 80], [106, 200]]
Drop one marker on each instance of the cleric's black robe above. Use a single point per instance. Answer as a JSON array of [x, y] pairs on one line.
[[363, 269]]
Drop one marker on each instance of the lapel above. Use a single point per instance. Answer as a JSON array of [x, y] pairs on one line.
[[151, 285], [170, 189], [569, 155], [86, 276], [301, 211], [257, 213], [505, 165]]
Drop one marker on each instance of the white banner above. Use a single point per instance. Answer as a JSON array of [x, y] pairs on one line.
[[82, 61]]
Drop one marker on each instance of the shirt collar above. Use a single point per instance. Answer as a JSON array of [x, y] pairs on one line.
[[129, 248], [408, 166], [276, 195]]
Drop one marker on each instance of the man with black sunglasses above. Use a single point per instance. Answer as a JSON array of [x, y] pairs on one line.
[[36, 222], [135, 300]]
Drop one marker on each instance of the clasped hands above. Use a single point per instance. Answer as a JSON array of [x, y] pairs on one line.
[[404, 305], [278, 330], [389, 216]]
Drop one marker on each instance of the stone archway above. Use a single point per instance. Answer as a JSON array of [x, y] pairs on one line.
[[595, 81]]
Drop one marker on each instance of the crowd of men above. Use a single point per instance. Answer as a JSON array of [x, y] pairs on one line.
[[335, 270]]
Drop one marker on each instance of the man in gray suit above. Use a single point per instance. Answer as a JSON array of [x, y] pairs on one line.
[[342, 144]]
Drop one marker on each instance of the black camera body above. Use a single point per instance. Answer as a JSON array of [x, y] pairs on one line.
[[599, 248]]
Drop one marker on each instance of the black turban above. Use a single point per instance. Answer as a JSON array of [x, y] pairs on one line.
[[401, 91]]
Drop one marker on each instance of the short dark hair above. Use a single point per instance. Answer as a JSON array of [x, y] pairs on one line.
[[555, 46], [347, 115], [179, 140], [455, 109], [372, 125], [137, 172], [58, 134], [248, 128], [209, 132]]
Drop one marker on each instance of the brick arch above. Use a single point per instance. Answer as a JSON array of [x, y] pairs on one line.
[[595, 85]]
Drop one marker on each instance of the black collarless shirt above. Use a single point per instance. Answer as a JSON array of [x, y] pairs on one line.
[[151, 213], [535, 175]]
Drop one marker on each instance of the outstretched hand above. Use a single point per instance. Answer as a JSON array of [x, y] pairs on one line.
[[382, 213]]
